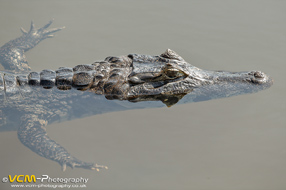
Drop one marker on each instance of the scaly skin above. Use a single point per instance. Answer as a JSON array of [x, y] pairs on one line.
[[39, 98]]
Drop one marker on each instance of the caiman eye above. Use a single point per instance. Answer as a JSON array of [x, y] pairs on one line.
[[173, 73]]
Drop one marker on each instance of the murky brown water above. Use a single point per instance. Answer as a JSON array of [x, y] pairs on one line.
[[235, 143]]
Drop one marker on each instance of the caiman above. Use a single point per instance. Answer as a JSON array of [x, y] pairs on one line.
[[31, 100]]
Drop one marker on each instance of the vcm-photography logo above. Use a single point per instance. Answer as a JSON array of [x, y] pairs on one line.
[[43, 178]]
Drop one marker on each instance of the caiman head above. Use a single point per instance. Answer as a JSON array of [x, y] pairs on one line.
[[169, 78]]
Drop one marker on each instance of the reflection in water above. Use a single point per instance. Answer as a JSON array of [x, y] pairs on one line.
[[31, 100]]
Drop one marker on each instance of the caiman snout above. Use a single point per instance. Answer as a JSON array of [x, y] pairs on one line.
[[259, 77]]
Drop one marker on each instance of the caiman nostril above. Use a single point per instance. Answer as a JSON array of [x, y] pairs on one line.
[[258, 74]]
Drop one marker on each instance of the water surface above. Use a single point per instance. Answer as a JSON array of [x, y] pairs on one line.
[[231, 143]]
